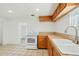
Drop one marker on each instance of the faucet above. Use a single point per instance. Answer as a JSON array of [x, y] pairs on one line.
[[76, 33]]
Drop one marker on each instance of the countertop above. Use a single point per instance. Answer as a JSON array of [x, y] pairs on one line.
[[63, 43], [60, 35], [45, 33], [65, 46]]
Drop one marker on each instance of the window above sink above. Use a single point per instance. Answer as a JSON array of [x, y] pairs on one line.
[[74, 17]]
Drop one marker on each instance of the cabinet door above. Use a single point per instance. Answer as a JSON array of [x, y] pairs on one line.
[[42, 42], [59, 9], [62, 6], [56, 52], [50, 48]]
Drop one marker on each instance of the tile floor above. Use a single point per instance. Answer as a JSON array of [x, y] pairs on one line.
[[16, 50]]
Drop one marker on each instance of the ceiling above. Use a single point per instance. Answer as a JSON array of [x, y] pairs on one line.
[[25, 10]]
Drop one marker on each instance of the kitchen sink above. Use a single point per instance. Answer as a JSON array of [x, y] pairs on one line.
[[63, 42], [70, 50], [67, 46]]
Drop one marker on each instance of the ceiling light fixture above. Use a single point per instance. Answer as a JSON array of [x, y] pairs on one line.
[[10, 11], [37, 9]]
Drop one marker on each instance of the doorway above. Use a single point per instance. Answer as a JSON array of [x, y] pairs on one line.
[[23, 33], [1, 32]]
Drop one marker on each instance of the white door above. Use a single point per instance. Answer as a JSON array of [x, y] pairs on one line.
[[22, 32], [1, 32]]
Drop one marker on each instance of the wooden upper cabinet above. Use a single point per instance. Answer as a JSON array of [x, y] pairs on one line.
[[63, 9], [45, 18], [59, 9]]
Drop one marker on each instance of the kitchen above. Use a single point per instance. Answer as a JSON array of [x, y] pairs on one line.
[[36, 27]]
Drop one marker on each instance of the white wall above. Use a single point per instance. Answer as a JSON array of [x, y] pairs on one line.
[[62, 23], [11, 28]]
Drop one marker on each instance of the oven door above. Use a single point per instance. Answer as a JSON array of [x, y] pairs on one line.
[[31, 42]]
